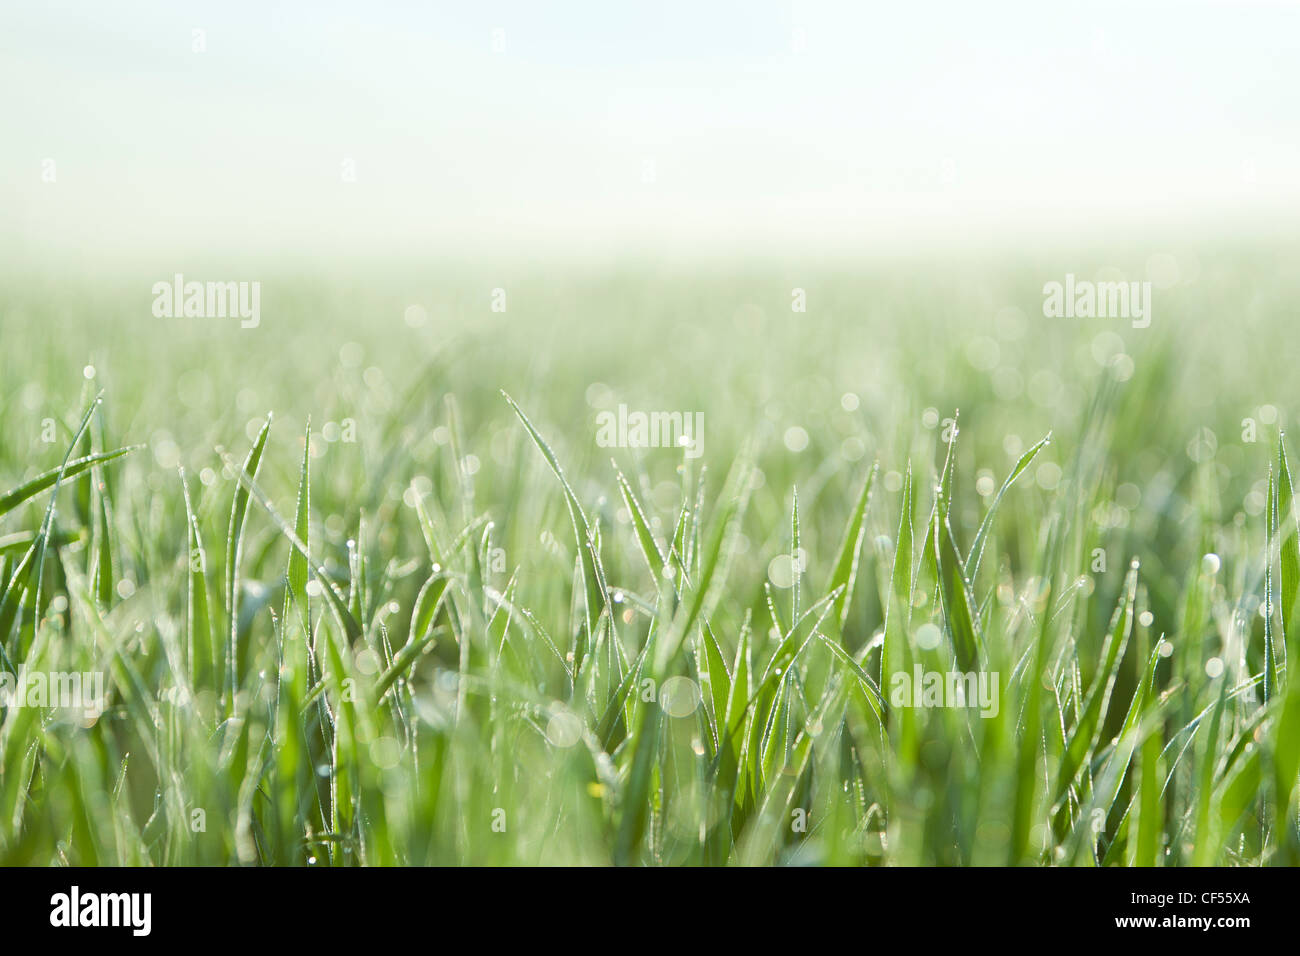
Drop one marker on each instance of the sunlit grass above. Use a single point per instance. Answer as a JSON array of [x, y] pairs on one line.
[[418, 616]]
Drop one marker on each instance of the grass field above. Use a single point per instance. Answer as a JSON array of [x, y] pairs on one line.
[[365, 589]]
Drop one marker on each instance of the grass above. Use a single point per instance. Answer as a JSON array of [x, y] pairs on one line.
[[417, 616]]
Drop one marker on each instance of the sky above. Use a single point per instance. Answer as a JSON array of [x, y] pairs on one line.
[[403, 129]]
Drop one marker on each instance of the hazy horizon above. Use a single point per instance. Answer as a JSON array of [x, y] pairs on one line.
[[824, 127]]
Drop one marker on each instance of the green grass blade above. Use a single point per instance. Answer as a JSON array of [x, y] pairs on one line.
[[47, 479]]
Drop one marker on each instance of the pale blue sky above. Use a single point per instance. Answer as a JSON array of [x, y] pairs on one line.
[[892, 121]]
